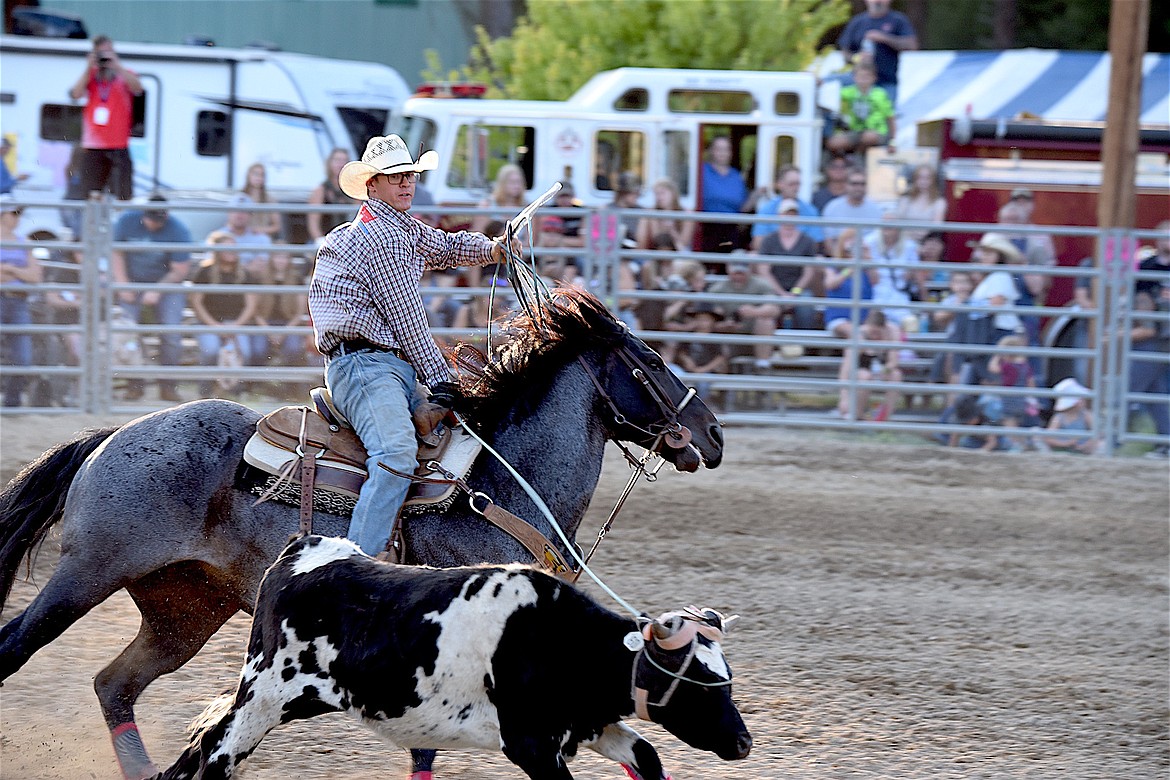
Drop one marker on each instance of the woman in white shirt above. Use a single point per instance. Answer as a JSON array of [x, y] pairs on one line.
[[997, 289]]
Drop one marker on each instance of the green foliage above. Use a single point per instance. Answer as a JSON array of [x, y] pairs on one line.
[[560, 44]]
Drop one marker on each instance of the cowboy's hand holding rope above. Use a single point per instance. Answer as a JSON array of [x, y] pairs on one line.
[[502, 251]]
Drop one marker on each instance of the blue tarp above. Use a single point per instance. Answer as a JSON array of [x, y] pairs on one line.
[[1057, 85]]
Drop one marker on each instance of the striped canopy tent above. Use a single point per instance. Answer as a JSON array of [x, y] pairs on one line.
[[1050, 84]]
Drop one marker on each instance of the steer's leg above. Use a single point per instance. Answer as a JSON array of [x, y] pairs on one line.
[[626, 746], [421, 764], [539, 757]]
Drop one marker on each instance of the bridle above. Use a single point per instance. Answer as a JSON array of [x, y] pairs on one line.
[[666, 431], [687, 636]]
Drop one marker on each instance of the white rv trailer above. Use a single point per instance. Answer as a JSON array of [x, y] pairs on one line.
[[654, 122], [206, 115]]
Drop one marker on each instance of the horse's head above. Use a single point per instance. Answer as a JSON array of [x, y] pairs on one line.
[[648, 405], [640, 400]]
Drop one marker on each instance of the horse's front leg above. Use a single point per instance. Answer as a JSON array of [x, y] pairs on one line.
[[421, 764]]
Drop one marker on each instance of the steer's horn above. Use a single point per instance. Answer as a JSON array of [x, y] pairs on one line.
[[660, 630]]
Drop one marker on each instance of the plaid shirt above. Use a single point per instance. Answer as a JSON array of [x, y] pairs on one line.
[[366, 283]]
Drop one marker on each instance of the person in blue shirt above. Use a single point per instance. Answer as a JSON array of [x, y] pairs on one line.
[[788, 180], [8, 179], [724, 192], [153, 266], [882, 35]]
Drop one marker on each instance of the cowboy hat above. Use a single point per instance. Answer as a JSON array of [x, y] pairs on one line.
[[384, 154], [1000, 243], [1071, 391]]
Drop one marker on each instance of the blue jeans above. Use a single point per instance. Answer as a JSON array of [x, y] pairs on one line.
[[16, 348], [1146, 376], [168, 311], [376, 393]]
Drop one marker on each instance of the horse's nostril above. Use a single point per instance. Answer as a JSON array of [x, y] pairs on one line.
[[745, 744], [716, 433]]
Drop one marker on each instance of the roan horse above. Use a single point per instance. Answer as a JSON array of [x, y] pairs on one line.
[[157, 506]]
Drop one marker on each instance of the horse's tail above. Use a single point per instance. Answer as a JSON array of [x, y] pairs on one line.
[[33, 500], [188, 764]]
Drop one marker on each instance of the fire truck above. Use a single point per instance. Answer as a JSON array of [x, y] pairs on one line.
[[982, 161]]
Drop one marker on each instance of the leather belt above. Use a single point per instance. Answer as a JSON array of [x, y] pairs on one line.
[[354, 346]]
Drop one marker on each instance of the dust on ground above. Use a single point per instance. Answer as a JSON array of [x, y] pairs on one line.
[[908, 611]]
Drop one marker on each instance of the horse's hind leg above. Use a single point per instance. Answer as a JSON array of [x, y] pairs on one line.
[[72, 591], [181, 608]]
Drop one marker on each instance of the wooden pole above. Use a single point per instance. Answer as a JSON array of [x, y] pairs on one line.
[[1129, 22]]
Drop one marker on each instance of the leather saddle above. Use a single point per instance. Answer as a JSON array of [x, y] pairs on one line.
[[284, 436]]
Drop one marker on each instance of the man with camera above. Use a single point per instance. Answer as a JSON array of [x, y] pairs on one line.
[[109, 90]]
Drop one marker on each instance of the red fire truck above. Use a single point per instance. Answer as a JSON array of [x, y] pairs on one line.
[[982, 161]]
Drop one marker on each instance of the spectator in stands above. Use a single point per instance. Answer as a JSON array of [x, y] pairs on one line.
[[758, 319], [853, 206], [702, 357], [787, 185], [507, 193], [658, 275], [866, 118], [692, 278], [1012, 370], [839, 281], [223, 310], [289, 309], [239, 226], [1071, 412], [153, 224], [1036, 248], [1150, 338], [63, 307], [873, 363], [256, 189], [897, 284], [968, 411], [995, 291], [8, 179], [109, 90], [922, 201], [948, 365], [629, 189], [932, 249], [791, 280], [724, 192], [328, 193], [651, 229], [882, 35], [19, 268], [1159, 262], [835, 171]]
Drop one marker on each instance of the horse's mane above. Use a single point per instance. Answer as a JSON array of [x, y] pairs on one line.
[[536, 347]]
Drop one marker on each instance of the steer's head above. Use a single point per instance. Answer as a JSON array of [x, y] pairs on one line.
[[683, 682]]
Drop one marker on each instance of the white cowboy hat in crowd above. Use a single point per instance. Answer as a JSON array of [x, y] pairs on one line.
[[1000, 243], [384, 154], [1071, 391]]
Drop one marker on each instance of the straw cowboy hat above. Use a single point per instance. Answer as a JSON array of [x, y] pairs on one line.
[[384, 154], [1001, 244]]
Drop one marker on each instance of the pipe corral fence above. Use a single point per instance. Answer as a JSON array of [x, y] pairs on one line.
[[80, 366]]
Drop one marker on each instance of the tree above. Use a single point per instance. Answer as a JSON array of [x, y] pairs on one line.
[[560, 44]]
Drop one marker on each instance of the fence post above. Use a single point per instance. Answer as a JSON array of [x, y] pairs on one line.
[[96, 390]]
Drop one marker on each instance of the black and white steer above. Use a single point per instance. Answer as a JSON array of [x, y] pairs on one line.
[[492, 657]]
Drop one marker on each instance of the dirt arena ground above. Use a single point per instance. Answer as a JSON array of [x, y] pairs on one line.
[[908, 612]]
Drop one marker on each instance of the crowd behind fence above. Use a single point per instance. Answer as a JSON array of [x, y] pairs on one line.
[[789, 375]]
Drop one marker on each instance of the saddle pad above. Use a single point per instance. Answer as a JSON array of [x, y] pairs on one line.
[[457, 459], [333, 476], [283, 429]]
